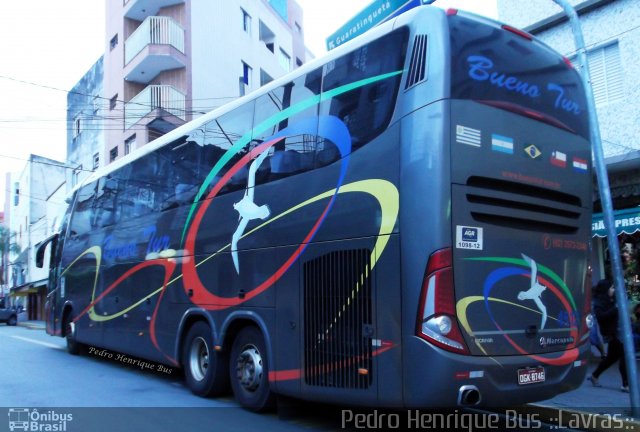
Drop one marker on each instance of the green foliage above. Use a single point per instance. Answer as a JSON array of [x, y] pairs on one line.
[[7, 241]]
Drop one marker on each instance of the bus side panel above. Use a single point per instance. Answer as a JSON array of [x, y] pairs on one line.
[[76, 286], [286, 368], [425, 227], [387, 341]]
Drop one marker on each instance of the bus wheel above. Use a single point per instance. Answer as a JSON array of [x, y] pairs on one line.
[[204, 369], [250, 371], [73, 346], [12, 320]]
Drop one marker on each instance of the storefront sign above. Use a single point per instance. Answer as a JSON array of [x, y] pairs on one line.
[[377, 12], [627, 221]]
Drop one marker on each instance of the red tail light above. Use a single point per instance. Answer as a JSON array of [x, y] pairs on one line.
[[568, 62], [437, 322], [518, 32], [452, 11]]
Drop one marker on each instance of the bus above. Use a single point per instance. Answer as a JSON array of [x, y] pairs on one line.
[[402, 223]]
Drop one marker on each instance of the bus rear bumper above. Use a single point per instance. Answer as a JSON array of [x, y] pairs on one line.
[[436, 378]]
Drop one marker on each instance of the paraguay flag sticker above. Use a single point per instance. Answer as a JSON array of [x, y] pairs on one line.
[[580, 165]]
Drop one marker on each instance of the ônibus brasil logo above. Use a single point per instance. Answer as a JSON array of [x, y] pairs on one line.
[[32, 420]]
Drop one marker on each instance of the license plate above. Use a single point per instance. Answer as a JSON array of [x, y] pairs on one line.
[[531, 376]]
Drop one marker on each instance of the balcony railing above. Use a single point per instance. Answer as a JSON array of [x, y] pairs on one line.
[[155, 30], [154, 97]]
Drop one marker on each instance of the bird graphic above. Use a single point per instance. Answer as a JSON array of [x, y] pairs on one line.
[[247, 209], [535, 290]]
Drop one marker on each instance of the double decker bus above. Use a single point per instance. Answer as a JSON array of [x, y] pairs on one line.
[[402, 223]]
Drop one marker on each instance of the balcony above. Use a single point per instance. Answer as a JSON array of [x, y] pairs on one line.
[[141, 9], [156, 46], [153, 102]]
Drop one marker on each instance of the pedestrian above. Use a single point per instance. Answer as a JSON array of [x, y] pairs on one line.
[[604, 306], [635, 327], [596, 338]]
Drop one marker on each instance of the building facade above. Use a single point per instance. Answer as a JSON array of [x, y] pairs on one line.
[[612, 39], [169, 61], [35, 200], [86, 108]]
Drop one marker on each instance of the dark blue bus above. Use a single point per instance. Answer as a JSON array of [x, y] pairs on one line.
[[402, 223]]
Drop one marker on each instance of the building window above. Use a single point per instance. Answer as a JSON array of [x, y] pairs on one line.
[[285, 60], [605, 69], [130, 144], [112, 102], [298, 62], [113, 42], [298, 28], [267, 37], [96, 161], [75, 176], [265, 78], [246, 74], [113, 154], [246, 22], [77, 126], [16, 196], [96, 105]]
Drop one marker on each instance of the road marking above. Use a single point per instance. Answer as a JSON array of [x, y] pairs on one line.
[[38, 342]]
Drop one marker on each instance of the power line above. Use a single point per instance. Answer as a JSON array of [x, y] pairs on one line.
[[60, 165], [110, 100]]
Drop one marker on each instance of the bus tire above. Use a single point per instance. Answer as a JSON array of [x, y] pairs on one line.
[[73, 346], [249, 369], [205, 370], [13, 320]]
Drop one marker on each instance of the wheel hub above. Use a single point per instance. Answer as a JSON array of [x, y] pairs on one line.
[[249, 368], [199, 358]]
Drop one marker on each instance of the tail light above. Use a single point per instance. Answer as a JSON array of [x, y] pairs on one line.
[[516, 31], [568, 62], [437, 321]]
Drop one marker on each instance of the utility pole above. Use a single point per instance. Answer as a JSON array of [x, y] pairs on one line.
[[607, 207]]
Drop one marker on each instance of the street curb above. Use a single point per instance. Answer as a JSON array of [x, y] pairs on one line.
[[588, 421], [31, 326]]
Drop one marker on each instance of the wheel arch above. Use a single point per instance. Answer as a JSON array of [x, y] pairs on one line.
[[238, 320], [189, 318]]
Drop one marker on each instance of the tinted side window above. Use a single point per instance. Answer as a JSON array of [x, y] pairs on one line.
[[82, 212], [366, 110], [218, 137], [286, 110]]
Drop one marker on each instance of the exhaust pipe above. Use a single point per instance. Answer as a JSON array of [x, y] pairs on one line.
[[469, 395]]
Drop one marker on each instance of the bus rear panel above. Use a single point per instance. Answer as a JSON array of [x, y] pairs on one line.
[[503, 296]]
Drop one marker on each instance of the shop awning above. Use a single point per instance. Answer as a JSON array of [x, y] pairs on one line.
[[627, 221]]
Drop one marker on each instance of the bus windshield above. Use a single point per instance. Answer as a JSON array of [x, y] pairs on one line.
[[509, 71]]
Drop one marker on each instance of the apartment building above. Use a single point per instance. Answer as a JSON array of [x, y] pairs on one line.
[[169, 61], [612, 38]]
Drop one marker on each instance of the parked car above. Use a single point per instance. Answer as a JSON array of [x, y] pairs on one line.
[[9, 316]]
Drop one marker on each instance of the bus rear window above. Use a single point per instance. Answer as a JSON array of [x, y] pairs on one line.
[[500, 68]]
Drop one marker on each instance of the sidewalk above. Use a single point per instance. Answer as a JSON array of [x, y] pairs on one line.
[[33, 325], [589, 402]]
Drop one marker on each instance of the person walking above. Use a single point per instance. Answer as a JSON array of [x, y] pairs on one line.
[[604, 306]]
